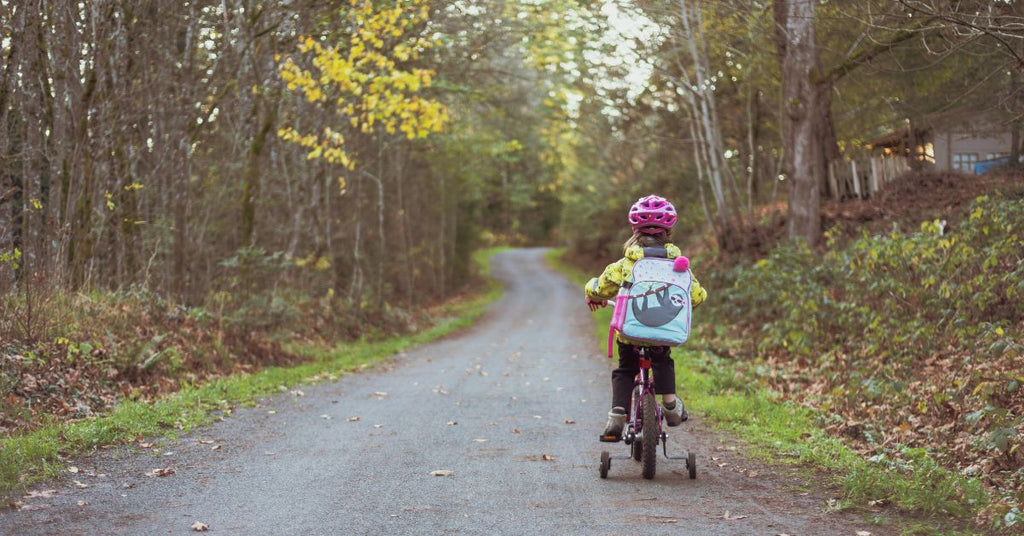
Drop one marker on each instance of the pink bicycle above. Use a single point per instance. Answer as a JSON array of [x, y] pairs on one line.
[[644, 430]]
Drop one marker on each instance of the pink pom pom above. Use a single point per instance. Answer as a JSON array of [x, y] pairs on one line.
[[681, 264]]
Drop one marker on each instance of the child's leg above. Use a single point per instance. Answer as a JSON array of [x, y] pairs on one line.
[[665, 384], [664, 372], [622, 392], [624, 375]]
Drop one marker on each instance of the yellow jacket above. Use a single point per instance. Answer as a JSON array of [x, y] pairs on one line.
[[606, 286]]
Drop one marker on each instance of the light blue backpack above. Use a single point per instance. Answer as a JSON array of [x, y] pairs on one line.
[[654, 305]]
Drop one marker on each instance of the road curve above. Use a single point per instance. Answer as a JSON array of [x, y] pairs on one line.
[[511, 407]]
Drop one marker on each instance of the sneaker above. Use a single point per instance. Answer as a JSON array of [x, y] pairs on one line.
[[676, 413], [613, 430]]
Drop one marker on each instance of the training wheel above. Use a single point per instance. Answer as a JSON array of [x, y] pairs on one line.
[[606, 463], [691, 464]]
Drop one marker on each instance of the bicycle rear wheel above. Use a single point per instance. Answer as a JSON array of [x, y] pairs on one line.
[[649, 449]]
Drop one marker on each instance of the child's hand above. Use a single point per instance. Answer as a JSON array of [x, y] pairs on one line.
[[595, 305]]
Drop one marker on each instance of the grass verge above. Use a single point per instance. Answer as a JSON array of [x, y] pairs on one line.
[[780, 432], [40, 454]]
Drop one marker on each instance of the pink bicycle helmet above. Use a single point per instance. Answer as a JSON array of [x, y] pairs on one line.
[[652, 215]]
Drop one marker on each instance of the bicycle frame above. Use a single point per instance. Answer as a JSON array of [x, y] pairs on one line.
[[642, 384]]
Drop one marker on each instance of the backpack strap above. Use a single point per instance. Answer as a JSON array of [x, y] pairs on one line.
[[656, 252]]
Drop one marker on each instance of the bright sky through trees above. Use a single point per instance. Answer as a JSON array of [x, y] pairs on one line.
[[628, 26]]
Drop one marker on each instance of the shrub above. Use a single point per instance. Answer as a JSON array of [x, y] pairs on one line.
[[909, 340]]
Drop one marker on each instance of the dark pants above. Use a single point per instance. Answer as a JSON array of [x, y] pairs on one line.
[[629, 365]]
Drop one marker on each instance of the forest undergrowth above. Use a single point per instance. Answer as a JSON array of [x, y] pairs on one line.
[[904, 331], [70, 357]]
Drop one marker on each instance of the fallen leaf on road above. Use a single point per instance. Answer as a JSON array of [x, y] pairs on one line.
[[537, 417], [82, 503], [516, 431], [298, 393], [441, 472], [547, 457], [379, 394], [205, 441], [863, 533], [73, 469], [731, 517], [271, 411], [480, 440], [354, 419], [325, 417], [127, 485], [451, 423], [145, 445], [879, 502], [79, 485], [44, 494], [570, 421], [378, 426], [165, 471], [752, 474], [215, 447], [199, 526]]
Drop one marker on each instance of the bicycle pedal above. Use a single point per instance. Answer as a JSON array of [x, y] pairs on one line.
[[609, 438]]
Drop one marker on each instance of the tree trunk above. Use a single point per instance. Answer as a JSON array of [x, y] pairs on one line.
[[703, 109], [80, 245], [1017, 126], [251, 178], [752, 159], [805, 118], [1017, 129]]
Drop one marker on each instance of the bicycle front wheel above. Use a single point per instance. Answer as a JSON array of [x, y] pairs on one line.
[[649, 454], [636, 449]]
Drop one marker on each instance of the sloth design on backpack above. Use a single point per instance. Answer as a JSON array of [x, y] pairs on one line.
[[668, 298], [654, 306]]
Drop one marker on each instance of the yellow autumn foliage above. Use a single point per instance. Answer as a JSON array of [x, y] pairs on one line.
[[361, 81]]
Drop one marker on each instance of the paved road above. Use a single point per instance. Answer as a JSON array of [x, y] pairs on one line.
[[512, 408]]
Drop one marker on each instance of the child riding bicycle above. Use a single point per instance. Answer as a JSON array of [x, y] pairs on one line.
[[651, 219]]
